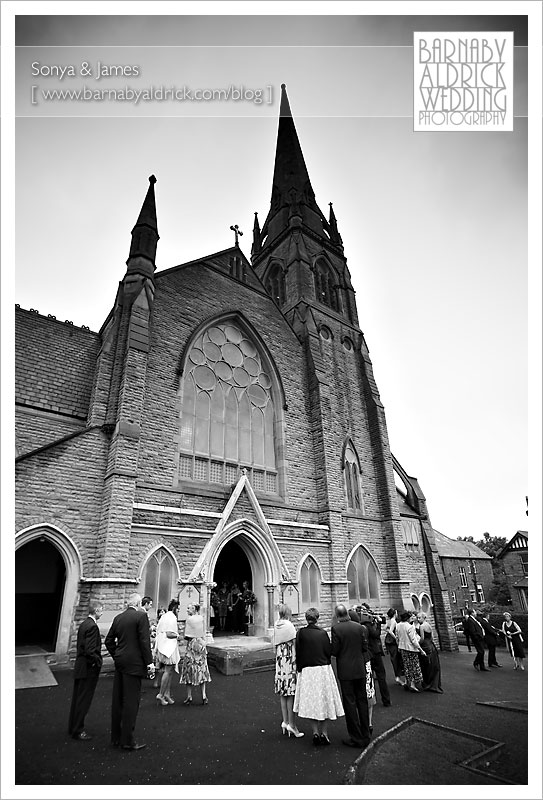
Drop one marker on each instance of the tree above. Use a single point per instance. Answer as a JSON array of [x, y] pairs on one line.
[[491, 545]]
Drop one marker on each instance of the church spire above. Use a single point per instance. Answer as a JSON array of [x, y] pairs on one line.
[[293, 200], [145, 236]]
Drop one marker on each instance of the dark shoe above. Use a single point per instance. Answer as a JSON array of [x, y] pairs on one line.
[[352, 743], [316, 739], [134, 746], [82, 737], [324, 739], [483, 669], [475, 666], [371, 729]]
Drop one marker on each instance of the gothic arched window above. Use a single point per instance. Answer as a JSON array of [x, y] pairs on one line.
[[363, 576], [158, 579], [275, 284], [325, 285], [227, 417], [310, 582], [352, 479]]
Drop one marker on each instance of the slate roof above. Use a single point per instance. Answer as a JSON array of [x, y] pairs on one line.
[[452, 548]]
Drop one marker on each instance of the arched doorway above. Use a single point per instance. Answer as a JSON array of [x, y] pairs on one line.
[[40, 579], [232, 567]]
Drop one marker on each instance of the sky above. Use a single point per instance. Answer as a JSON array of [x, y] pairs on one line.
[[433, 224]]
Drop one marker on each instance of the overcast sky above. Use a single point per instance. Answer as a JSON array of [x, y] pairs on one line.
[[433, 224]]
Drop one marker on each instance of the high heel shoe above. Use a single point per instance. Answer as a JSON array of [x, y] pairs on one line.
[[187, 701], [161, 700], [316, 739], [205, 701], [324, 739], [284, 727], [294, 732], [170, 700]]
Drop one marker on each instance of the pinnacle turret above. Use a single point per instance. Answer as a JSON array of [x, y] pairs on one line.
[[145, 236]]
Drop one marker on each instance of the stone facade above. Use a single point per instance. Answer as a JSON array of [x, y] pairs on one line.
[[226, 413]]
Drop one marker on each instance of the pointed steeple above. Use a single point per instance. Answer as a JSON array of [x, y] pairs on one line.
[[257, 239], [145, 236], [335, 238], [293, 200]]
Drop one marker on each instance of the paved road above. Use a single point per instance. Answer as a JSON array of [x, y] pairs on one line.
[[236, 739]]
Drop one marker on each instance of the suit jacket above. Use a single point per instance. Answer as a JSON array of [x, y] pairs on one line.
[[474, 628], [374, 635], [490, 632], [128, 641], [350, 647], [313, 647], [89, 647]]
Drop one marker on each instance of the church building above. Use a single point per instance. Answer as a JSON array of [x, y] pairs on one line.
[[224, 425]]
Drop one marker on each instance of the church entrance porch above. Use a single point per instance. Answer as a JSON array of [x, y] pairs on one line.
[[232, 575]]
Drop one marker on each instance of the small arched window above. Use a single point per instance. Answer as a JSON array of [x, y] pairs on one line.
[[325, 285], [158, 579], [275, 284], [416, 603], [425, 604], [363, 576], [310, 582], [352, 479]]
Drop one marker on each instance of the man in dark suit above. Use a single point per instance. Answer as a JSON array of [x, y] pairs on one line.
[[88, 663], [491, 639], [373, 623], [477, 636], [349, 641], [128, 642]]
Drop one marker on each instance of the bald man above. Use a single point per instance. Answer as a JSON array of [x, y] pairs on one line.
[[128, 642]]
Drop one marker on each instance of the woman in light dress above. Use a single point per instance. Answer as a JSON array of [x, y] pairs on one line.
[[515, 642], [194, 670], [167, 651], [409, 647], [317, 696], [391, 644], [284, 639]]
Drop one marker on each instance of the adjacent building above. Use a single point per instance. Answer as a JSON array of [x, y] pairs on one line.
[[467, 570], [514, 557]]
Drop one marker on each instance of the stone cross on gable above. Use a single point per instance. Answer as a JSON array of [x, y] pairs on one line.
[[237, 233], [190, 590]]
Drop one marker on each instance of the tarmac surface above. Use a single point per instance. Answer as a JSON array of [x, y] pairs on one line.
[[476, 733]]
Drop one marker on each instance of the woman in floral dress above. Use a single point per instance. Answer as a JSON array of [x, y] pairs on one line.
[[284, 639], [194, 671]]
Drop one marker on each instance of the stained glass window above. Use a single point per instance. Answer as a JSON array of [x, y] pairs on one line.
[[363, 576], [158, 578], [227, 416], [352, 479], [310, 582]]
